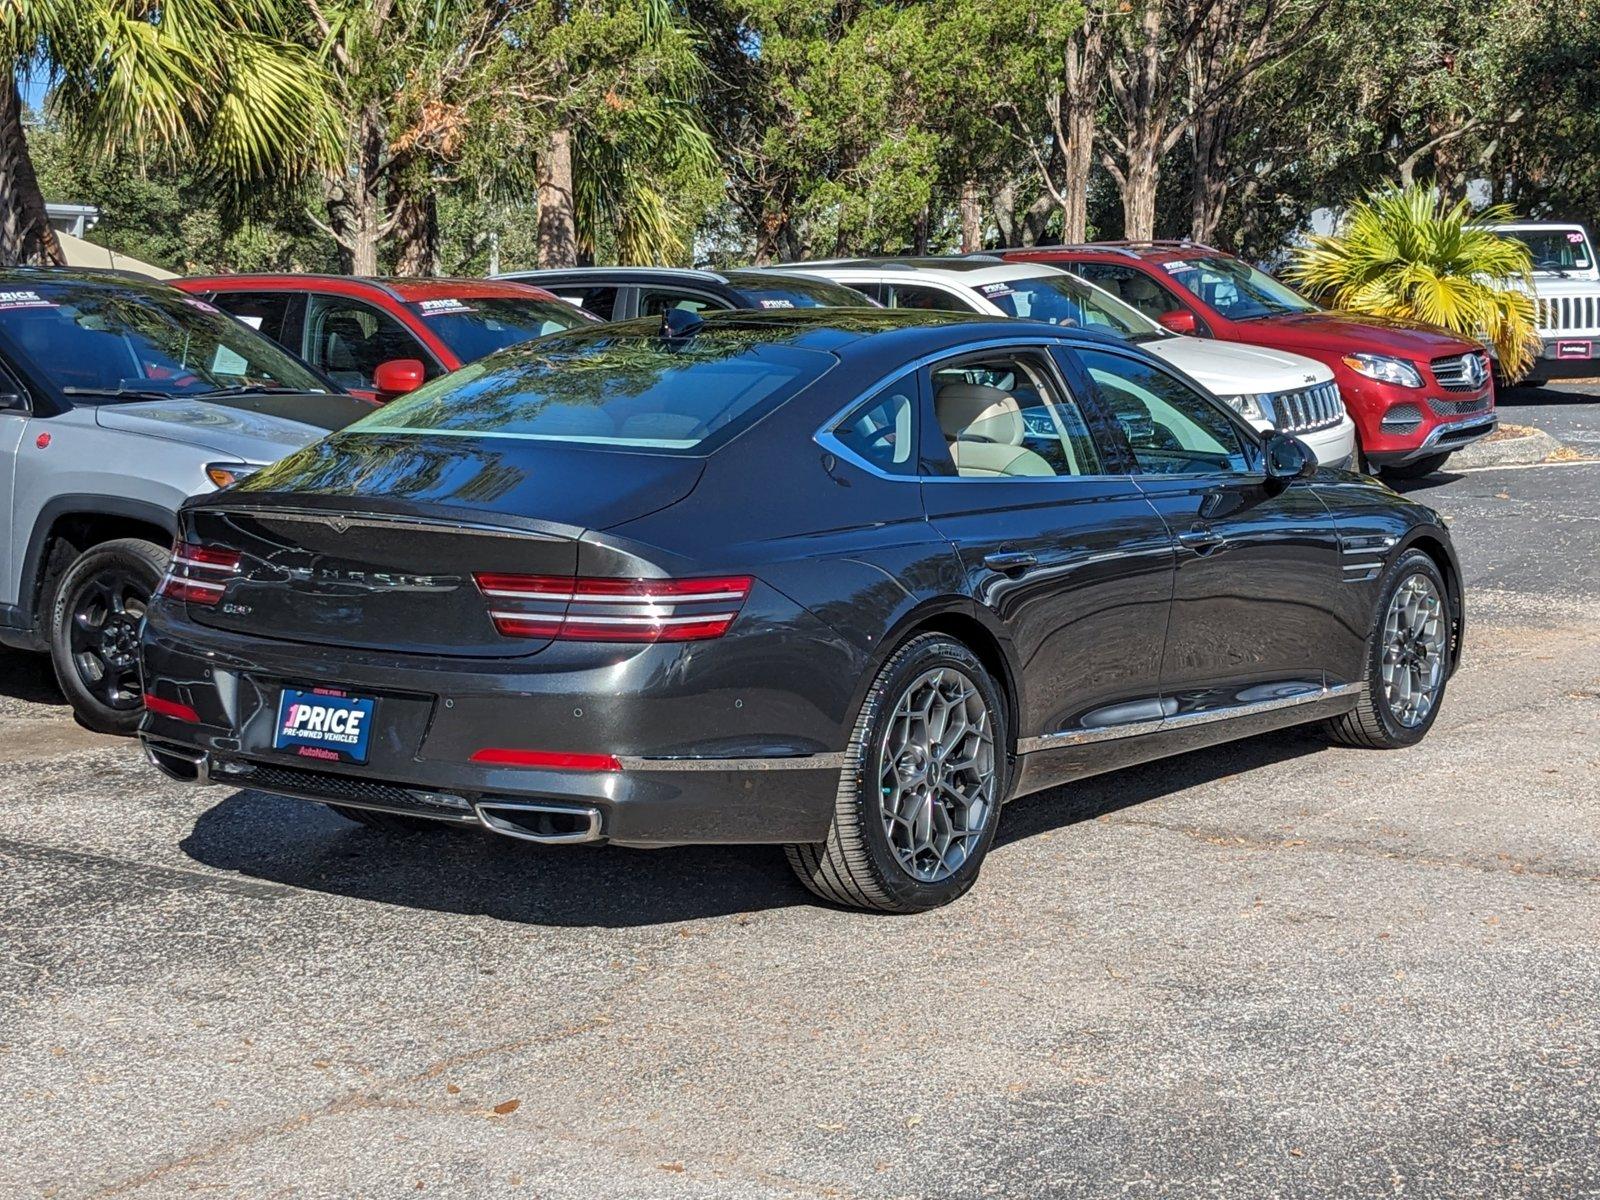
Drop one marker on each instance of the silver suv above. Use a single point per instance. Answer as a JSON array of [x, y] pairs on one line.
[[118, 400]]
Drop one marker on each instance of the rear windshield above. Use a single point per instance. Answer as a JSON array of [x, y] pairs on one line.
[[601, 388], [100, 343], [473, 326], [762, 290]]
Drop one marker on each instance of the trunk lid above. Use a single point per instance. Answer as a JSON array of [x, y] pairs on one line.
[[374, 541]]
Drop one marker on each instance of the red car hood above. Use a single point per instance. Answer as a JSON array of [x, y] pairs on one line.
[[1345, 333]]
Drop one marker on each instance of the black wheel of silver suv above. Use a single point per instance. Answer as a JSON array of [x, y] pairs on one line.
[[920, 793], [1408, 659]]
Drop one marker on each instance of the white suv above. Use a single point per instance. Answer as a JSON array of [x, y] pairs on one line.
[[1566, 289], [1271, 389]]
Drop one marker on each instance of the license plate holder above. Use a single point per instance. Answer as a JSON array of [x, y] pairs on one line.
[[324, 723], [1569, 348]]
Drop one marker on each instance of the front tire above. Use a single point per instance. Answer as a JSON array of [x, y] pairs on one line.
[[1407, 663], [1418, 468], [919, 796], [94, 631]]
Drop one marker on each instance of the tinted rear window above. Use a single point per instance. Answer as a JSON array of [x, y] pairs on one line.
[[598, 388]]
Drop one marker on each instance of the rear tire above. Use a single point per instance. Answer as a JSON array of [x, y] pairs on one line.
[[95, 617], [390, 822], [1418, 468], [919, 797], [1386, 716]]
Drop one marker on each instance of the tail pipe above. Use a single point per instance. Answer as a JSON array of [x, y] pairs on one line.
[[551, 824], [180, 763]]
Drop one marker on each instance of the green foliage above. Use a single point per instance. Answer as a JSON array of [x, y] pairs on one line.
[[1410, 254]]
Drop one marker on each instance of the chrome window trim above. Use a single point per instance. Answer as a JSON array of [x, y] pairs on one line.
[[824, 437], [1081, 737]]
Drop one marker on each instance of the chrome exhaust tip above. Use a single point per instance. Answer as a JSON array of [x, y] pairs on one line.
[[548, 824], [175, 762]]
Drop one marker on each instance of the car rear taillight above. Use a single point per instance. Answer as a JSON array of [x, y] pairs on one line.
[[593, 609], [198, 573]]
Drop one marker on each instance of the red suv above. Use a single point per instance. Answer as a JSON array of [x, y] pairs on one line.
[[382, 338], [1416, 393]]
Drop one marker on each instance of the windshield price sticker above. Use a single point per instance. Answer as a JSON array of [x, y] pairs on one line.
[[1574, 236], [1178, 266], [26, 299], [777, 304], [444, 308], [991, 290]]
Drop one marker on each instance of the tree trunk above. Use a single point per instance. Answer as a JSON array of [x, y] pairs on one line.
[[416, 230], [558, 230], [1210, 184], [1142, 176], [971, 217], [1079, 121], [25, 233], [354, 199]]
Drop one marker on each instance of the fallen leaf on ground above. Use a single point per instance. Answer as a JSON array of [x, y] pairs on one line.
[[508, 1106]]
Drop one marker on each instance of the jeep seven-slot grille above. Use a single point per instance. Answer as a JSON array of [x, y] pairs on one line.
[[1568, 314], [1309, 408], [1456, 374]]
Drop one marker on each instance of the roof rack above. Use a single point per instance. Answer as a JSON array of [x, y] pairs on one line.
[[1085, 247], [1164, 244]]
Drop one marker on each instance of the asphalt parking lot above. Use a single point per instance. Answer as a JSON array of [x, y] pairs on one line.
[[1270, 969]]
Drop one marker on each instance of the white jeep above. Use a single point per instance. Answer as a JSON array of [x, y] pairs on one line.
[[1566, 288]]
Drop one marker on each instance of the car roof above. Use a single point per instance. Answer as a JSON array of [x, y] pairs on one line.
[[406, 290], [1538, 225], [1159, 251], [678, 274], [967, 270], [848, 332], [21, 276]]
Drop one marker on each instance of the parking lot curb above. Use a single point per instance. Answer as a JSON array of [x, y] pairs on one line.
[[1515, 445]]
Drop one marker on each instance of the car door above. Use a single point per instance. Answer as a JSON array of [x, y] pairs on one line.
[[346, 339], [1256, 597], [1055, 539], [14, 413]]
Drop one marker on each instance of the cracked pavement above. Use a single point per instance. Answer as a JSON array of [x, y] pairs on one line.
[[1269, 969]]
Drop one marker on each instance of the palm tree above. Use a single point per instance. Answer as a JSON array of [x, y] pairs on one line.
[[215, 82], [1410, 254]]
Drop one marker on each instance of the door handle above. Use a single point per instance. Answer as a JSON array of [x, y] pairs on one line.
[[1010, 562], [1201, 541]]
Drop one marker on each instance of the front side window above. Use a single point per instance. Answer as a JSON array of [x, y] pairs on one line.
[[1006, 416], [594, 387], [348, 339], [601, 301], [101, 342], [1235, 289], [473, 326], [1132, 286], [1065, 300], [655, 301], [1171, 428], [267, 312], [883, 431]]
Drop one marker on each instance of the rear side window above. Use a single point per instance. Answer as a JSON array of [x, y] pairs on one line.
[[883, 431], [595, 388]]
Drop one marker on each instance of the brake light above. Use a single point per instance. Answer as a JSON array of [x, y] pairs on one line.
[[198, 573], [596, 609], [550, 759]]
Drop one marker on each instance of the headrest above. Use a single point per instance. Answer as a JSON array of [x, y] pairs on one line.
[[1139, 287], [973, 412]]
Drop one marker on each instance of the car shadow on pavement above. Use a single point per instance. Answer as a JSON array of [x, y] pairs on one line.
[[29, 679], [1531, 397], [302, 845]]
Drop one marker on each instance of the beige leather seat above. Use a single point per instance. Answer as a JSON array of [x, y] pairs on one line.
[[984, 428]]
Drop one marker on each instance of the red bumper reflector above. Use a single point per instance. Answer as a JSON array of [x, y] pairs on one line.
[[549, 759], [171, 708]]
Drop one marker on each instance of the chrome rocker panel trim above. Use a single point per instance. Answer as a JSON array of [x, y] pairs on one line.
[[1080, 737]]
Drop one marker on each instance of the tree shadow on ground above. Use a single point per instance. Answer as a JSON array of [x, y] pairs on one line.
[[302, 845]]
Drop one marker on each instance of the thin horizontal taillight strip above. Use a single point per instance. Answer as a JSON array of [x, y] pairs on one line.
[[590, 608], [198, 573]]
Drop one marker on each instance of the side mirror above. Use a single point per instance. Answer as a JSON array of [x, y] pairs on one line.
[[12, 402], [1180, 320], [397, 377], [1288, 459]]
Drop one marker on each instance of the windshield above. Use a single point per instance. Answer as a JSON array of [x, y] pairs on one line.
[[1067, 300], [598, 387], [473, 326], [762, 290], [1556, 250], [1236, 289], [104, 342]]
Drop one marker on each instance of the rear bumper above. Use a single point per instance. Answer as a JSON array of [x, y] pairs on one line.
[[1568, 357], [735, 740]]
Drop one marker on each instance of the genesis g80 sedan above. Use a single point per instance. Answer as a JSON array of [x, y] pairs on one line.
[[841, 580]]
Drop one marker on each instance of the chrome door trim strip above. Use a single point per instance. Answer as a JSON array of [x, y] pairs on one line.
[[1079, 737], [793, 762]]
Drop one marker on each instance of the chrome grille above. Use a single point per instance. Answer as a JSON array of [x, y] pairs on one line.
[[1567, 314], [1452, 373], [1459, 408], [1307, 408]]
